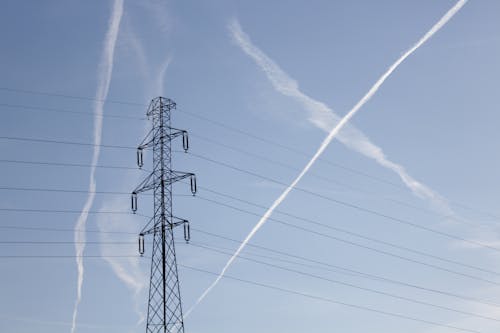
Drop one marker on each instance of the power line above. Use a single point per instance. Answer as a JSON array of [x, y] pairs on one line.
[[320, 264], [64, 256], [58, 190], [248, 153], [49, 229], [351, 233], [256, 155], [62, 211], [290, 291], [64, 142], [412, 300], [62, 242], [429, 255], [84, 98], [350, 205], [62, 190], [303, 219], [329, 300], [362, 274], [64, 164], [251, 203], [343, 269], [330, 180], [352, 285], [340, 202], [239, 131], [50, 141], [66, 111], [272, 161], [359, 273], [369, 248]]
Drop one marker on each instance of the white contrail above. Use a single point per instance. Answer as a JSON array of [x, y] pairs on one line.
[[129, 271], [325, 118], [160, 80], [104, 77], [327, 141]]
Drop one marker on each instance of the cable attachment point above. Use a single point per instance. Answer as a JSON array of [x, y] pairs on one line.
[[187, 231], [141, 244], [134, 202], [192, 181], [140, 161], [185, 141]]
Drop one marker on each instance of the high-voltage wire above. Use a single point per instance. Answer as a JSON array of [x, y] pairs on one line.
[[383, 252], [313, 263], [338, 229], [84, 98], [57, 190], [11, 242], [405, 204], [399, 202], [242, 151], [66, 111], [350, 205], [351, 233], [307, 220], [235, 130], [64, 164], [267, 286], [352, 285], [287, 269], [340, 202], [64, 256], [338, 239], [50, 229], [63, 211], [64, 142], [329, 300], [346, 270]]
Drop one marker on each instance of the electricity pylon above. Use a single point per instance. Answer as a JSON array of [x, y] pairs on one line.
[[164, 303]]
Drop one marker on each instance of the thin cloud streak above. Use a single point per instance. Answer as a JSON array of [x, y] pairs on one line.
[[129, 271], [105, 70], [333, 133], [325, 118]]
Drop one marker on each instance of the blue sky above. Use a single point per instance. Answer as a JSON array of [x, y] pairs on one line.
[[435, 116]]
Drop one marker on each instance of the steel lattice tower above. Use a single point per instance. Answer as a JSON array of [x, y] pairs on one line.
[[164, 303]]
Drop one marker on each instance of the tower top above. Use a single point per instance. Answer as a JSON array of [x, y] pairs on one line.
[[160, 104]]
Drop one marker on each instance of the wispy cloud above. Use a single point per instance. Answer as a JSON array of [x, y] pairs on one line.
[[154, 81], [104, 78], [471, 322], [160, 81], [326, 119], [291, 86], [153, 77], [128, 270]]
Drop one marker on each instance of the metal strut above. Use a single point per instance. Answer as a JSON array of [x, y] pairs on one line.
[[164, 303]]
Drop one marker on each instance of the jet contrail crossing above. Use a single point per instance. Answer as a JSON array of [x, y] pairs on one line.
[[329, 139]]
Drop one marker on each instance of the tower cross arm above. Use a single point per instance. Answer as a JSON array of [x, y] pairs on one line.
[[148, 141], [175, 222], [179, 175], [175, 132], [147, 184]]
